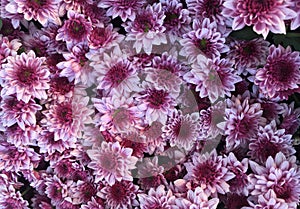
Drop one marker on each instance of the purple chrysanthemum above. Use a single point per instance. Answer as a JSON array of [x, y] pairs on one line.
[[94, 203], [9, 198], [209, 171], [14, 111], [280, 77], [291, 119], [40, 10], [213, 78], [111, 162], [279, 174], [242, 121], [26, 76], [269, 141], [21, 137], [8, 48], [75, 29], [124, 9], [203, 39], [248, 54], [147, 28], [10, 16], [182, 130], [61, 89], [55, 189], [120, 195], [265, 16]]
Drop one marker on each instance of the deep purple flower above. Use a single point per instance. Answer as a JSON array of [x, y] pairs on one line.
[[209, 171], [280, 77], [291, 119], [265, 16], [25, 75], [55, 190], [270, 141], [9, 198]]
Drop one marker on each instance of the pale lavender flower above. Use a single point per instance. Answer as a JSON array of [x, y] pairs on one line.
[[8, 47], [269, 141], [296, 20], [147, 28], [265, 16], [209, 171], [11, 16], [21, 137], [25, 75], [280, 77], [111, 162], [9, 198]]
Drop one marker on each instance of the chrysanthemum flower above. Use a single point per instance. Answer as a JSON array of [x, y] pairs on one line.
[[209, 171], [203, 39], [177, 21], [182, 130], [291, 119], [211, 9], [9, 198], [196, 199], [83, 191], [76, 67], [135, 141], [67, 119], [21, 137], [213, 78], [123, 9], [269, 141], [14, 111], [42, 10], [75, 29], [147, 28], [280, 77], [95, 14], [121, 195], [248, 54], [76, 5], [111, 162], [55, 190], [11, 16], [61, 89], [268, 200], [156, 104], [8, 48], [116, 73], [26, 76], [279, 174], [117, 114], [265, 16], [242, 121], [17, 159], [239, 184], [94, 203], [156, 198]]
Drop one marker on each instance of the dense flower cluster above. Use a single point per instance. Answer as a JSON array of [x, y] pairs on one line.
[[143, 104]]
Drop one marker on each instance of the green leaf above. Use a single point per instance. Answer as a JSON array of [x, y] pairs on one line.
[[290, 39], [1, 24], [245, 34]]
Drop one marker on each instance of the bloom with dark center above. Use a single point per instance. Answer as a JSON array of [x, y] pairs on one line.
[[21, 137], [147, 28], [280, 77], [95, 14], [269, 141], [26, 76], [75, 29], [203, 39], [280, 174], [84, 191], [14, 111], [61, 89], [11, 199], [209, 171], [125, 9], [55, 190], [291, 119], [248, 54], [265, 16], [40, 10], [111, 162], [120, 195], [182, 130]]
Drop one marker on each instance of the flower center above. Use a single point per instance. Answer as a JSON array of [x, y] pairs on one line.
[[118, 73], [65, 114], [157, 98], [38, 3], [107, 161], [26, 76], [206, 173], [144, 23], [283, 71], [118, 192], [283, 191], [255, 6]]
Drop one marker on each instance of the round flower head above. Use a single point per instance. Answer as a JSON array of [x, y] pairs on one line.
[[242, 121], [75, 29], [203, 39], [115, 72], [291, 119], [248, 54], [26, 76], [9, 198], [269, 141], [95, 14], [120, 8], [147, 28], [61, 89], [55, 189], [111, 162], [280, 77], [209, 172], [182, 130], [8, 48], [41, 10], [280, 174], [213, 78], [121, 195], [265, 16], [21, 137], [156, 198]]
